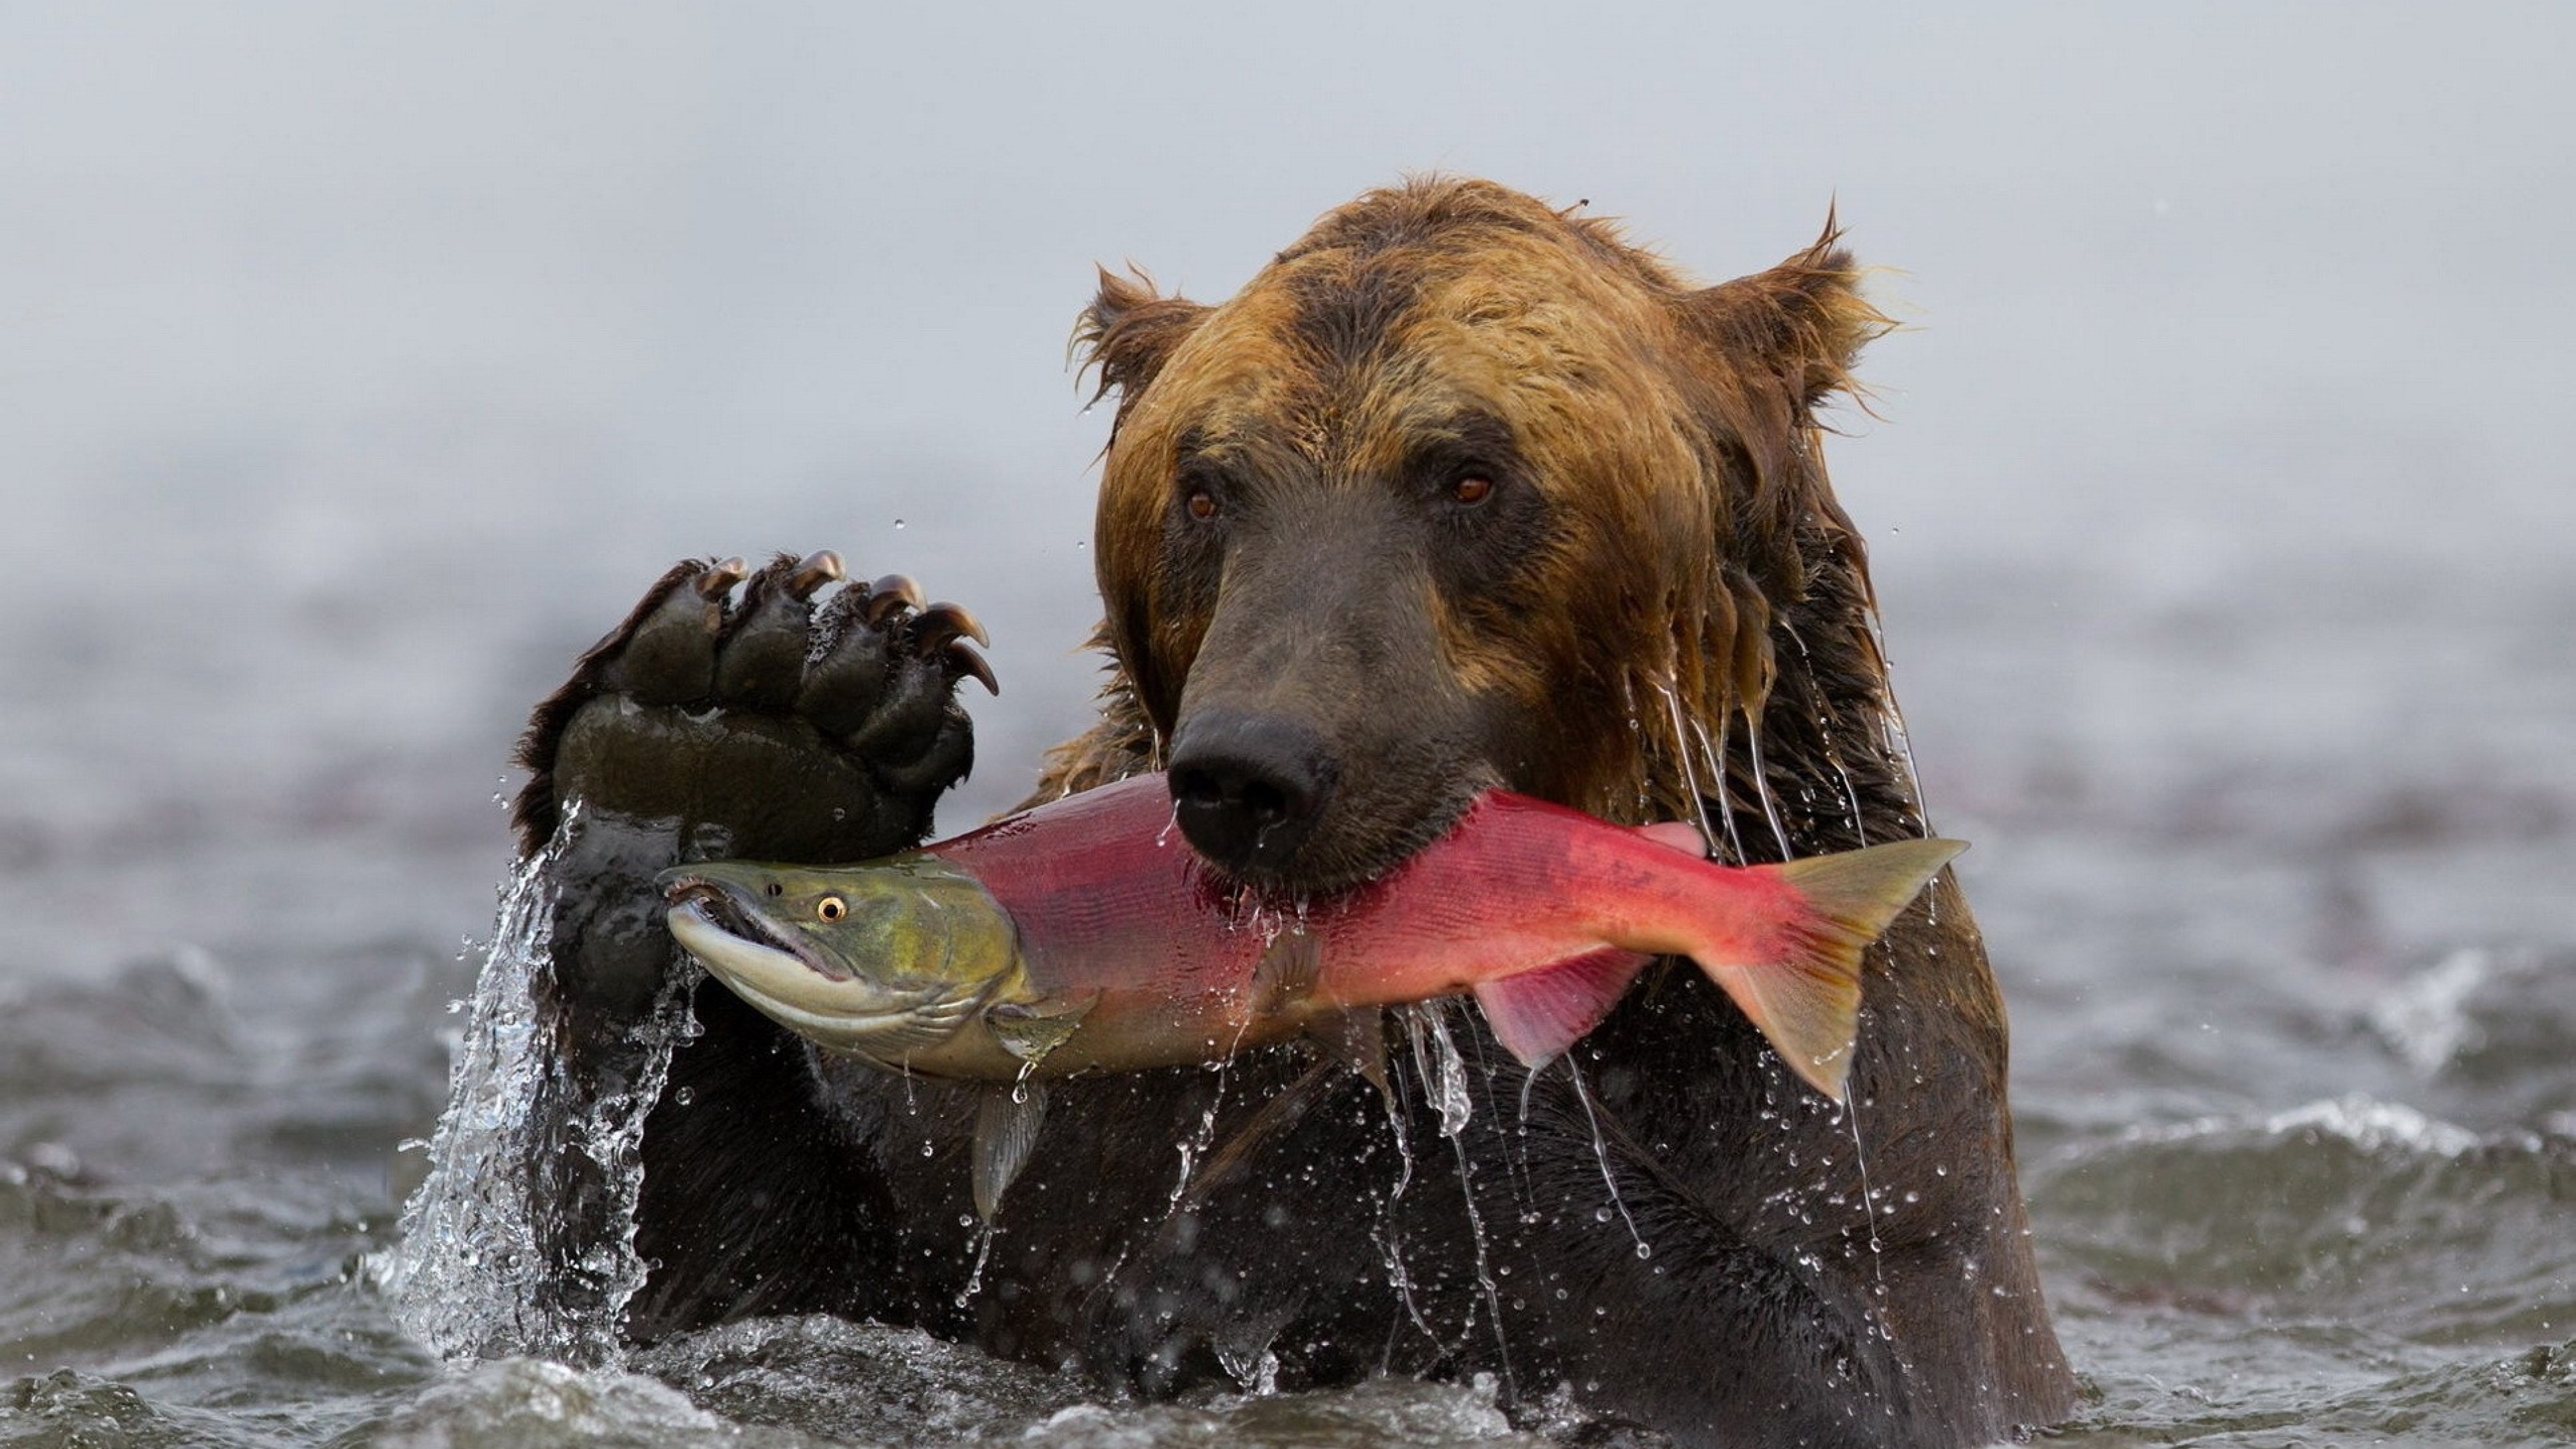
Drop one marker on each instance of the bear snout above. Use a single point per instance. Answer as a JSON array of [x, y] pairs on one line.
[[1247, 789]]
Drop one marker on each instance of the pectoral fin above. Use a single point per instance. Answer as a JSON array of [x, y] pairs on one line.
[[1538, 1014], [1006, 1132], [1030, 1030]]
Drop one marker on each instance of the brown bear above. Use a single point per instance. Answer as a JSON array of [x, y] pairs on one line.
[[1460, 491]]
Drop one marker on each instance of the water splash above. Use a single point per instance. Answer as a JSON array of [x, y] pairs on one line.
[[475, 1273], [2426, 1021]]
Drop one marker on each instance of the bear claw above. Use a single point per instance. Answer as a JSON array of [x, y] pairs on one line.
[[891, 595], [971, 665], [721, 576], [940, 624], [819, 568]]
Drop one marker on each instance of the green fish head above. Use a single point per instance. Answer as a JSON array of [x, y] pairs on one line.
[[882, 962]]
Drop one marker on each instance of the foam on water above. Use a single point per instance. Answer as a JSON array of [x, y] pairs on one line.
[[2362, 1122]]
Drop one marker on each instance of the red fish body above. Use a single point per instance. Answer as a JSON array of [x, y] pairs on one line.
[[1110, 899], [1087, 936], [1541, 912]]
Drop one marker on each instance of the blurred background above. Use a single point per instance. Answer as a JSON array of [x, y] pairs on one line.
[[359, 364]]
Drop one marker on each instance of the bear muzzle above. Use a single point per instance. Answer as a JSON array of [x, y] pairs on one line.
[[1247, 789]]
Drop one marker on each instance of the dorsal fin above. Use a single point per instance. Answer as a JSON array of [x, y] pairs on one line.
[[1538, 1014], [1006, 1132]]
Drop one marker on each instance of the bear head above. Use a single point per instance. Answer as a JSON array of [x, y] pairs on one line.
[[1460, 491]]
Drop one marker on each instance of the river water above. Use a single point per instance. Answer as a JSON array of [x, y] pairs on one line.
[[356, 368]]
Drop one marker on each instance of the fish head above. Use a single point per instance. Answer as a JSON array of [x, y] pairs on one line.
[[884, 962]]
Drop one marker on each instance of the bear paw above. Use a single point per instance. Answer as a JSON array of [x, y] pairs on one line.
[[767, 715]]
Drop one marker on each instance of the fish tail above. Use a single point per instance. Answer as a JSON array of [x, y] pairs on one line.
[[1806, 998]]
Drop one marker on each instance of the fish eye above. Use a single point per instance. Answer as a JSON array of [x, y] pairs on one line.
[[832, 908]]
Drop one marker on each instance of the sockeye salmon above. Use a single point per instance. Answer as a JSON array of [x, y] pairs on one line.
[[1087, 936]]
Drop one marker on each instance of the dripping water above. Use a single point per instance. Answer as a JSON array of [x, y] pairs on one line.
[[1601, 1155], [1869, 1212], [1891, 719], [1762, 787], [1443, 1070], [1833, 756], [1197, 1146], [1690, 775], [1390, 1242], [1437, 1060], [985, 1229], [1713, 754]]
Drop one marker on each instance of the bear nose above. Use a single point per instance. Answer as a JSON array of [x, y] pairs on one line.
[[1248, 788]]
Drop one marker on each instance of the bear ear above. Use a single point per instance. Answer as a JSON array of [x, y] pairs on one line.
[[1129, 331], [1795, 330]]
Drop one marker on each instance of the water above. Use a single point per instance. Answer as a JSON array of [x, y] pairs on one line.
[[468, 1277], [356, 367]]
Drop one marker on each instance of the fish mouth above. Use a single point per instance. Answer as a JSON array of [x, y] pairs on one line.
[[718, 907], [791, 983]]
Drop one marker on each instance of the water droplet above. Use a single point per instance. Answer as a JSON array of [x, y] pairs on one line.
[[898, 523], [685, 1096]]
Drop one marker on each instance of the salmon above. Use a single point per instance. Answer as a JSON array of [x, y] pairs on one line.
[[1086, 936]]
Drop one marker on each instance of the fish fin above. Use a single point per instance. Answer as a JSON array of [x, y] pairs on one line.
[[1357, 1039], [1277, 1116], [1006, 1131], [1807, 999], [1030, 1030], [1538, 1014], [1681, 835]]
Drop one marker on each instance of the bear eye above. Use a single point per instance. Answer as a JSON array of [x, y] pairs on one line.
[[1201, 504], [1472, 489], [832, 908]]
